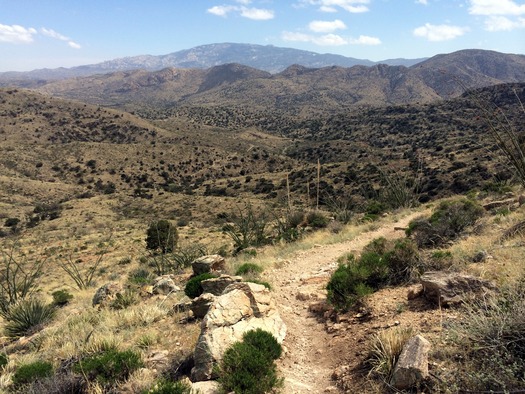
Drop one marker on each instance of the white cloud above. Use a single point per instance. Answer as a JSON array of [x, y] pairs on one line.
[[353, 6], [258, 14], [221, 10], [424, 2], [329, 39], [439, 32], [501, 23], [16, 34], [366, 40], [53, 34], [496, 7], [326, 26]]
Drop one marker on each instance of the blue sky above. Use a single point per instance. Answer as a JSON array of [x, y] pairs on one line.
[[53, 33]]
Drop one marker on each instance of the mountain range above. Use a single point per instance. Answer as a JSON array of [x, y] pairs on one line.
[[263, 57]]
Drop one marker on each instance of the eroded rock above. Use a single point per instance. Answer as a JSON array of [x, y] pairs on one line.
[[412, 366], [204, 264]]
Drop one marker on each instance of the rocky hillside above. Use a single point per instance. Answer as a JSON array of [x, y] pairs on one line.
[[297, 90]]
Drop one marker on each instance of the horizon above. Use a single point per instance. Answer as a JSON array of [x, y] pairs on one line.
[[51, 34]]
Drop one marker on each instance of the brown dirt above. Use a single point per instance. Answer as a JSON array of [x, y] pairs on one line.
[[323, 350]]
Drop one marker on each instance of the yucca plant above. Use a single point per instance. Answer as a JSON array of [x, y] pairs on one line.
[[27, 316]]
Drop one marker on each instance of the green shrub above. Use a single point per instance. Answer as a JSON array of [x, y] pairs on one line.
[[110, 366], [124, 300], [316, 219], [288, 226], [249, 268], [4, 360], [248, 367], [27, 316], [382, 262], [447, 222], [185, 255], [140, 277], [194, 288], [169, 387], [161, 236], [61, 297], [247, 227], [28, 373]]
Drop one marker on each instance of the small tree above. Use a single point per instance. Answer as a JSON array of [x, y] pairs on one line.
[[161, 235]]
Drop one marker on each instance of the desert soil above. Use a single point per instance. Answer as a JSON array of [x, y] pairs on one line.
[[315, 347]]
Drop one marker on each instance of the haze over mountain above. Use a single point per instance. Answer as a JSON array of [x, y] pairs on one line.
[[263, 57]]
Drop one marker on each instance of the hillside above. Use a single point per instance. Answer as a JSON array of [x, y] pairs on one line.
[[296, 91]]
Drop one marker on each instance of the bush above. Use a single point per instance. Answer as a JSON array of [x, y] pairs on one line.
[[124, 300], [110, 366], [27, 316], [382, 262], [316, 219], [194, 288], [184, 256], [247, 227], [61, 297], [490, 340], [161, 236], [4, 360], [288, 226], [169, 387], [28, 373], [447, 222], [140, 277], [248, 367], [249, 268]]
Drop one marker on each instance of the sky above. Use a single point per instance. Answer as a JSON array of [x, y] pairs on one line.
[[64, 33]]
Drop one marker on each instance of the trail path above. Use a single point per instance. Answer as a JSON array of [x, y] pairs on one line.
[[310, 360]]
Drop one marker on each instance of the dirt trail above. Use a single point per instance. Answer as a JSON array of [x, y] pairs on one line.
[[309, 360]]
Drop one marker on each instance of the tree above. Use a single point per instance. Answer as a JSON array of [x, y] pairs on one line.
[[161, 235]]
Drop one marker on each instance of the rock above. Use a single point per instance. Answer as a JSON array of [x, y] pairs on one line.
[[412, 366], [200, 305], [106, 294], [448, 288], [496, 204], [208, 263], [242, 307], [206, 387], [216, 286], [414, 292], [157, 358], [480, 257], [164, 285]]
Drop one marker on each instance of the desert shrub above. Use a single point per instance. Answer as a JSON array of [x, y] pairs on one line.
[[161, 236], [490, 340], [61, 297], [124, 300], [316, 219], [249, 268], [384, 350], [27, 316], [28, 373], [183, 256], [4, 360], [248, 366], [18, 276], [288, 226], [247, 227], [140, 277], [11, 222], [447, 222], [193, 287], [399, 190], [169, 387], [109, 366], [382, 262]]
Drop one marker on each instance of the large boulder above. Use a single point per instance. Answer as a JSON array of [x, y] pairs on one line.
[[242, 307], [216, 286], [412, 366], [205, 264], [449, 288]]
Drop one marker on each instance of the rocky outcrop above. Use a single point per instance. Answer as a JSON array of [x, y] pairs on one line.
[[164, 285], [449, 288], [201, 305], [412, 366], [216, 286], [240, 308], [106, 294], [210, 263]]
